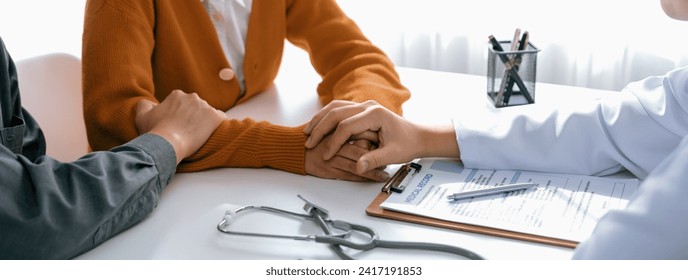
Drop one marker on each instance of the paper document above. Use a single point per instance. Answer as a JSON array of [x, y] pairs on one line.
[[562, 206]]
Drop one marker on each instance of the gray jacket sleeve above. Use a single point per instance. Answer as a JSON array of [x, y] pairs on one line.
[[54, 210]]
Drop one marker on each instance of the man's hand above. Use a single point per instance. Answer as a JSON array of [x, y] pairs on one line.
[[184, 120]]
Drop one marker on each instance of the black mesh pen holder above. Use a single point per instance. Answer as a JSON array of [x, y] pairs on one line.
[[511, 75]]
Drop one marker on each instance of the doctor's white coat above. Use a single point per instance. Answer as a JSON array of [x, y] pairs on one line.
[[643, 129]]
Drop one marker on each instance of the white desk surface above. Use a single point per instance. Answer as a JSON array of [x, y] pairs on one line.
[[183, 226]]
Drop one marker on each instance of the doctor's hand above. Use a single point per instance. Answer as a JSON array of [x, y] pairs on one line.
[[400, 140], [184, 120], [340, 109], [342, 165]]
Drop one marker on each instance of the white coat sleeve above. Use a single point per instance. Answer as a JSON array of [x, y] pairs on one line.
[[634, 130], [653, 225]]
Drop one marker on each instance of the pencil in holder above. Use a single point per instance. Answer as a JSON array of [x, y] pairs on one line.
[[511, 75]]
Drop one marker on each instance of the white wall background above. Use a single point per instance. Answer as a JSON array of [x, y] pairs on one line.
[[601, 44], [34, 27], [593, 43]]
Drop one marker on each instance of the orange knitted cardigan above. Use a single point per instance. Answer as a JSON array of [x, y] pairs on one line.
[[136, 49]]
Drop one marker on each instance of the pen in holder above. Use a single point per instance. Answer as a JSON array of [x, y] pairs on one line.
[[511, 74]]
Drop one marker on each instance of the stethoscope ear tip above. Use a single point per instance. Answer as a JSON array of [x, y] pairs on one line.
[[229, 216], [226, 220]]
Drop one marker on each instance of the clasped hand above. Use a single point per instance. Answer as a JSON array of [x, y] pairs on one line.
[[344, 138]]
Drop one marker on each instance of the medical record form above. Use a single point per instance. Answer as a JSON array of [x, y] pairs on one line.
[[561, 206]]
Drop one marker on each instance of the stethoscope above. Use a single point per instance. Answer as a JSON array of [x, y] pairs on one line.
[[336, 240]]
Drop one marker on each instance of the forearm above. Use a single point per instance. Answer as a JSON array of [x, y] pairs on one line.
[[117, 71], [565, 141], [352, 67], [592, 139], [437, 141], [247, 143], [367, 82], [53, 210]]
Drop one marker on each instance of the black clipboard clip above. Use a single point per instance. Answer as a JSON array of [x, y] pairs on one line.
[[401, 178]]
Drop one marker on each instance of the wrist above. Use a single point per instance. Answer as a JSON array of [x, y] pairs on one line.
[[438, 141], [175, 140]]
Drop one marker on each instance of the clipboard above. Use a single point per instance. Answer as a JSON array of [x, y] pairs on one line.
[[399, 181]]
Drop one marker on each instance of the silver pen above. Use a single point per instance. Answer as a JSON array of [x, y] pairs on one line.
[[491, 191]]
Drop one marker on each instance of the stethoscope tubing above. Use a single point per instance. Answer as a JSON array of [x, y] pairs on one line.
[[339, 240]]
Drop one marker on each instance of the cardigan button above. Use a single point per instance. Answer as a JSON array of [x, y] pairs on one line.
[[226, 74]]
